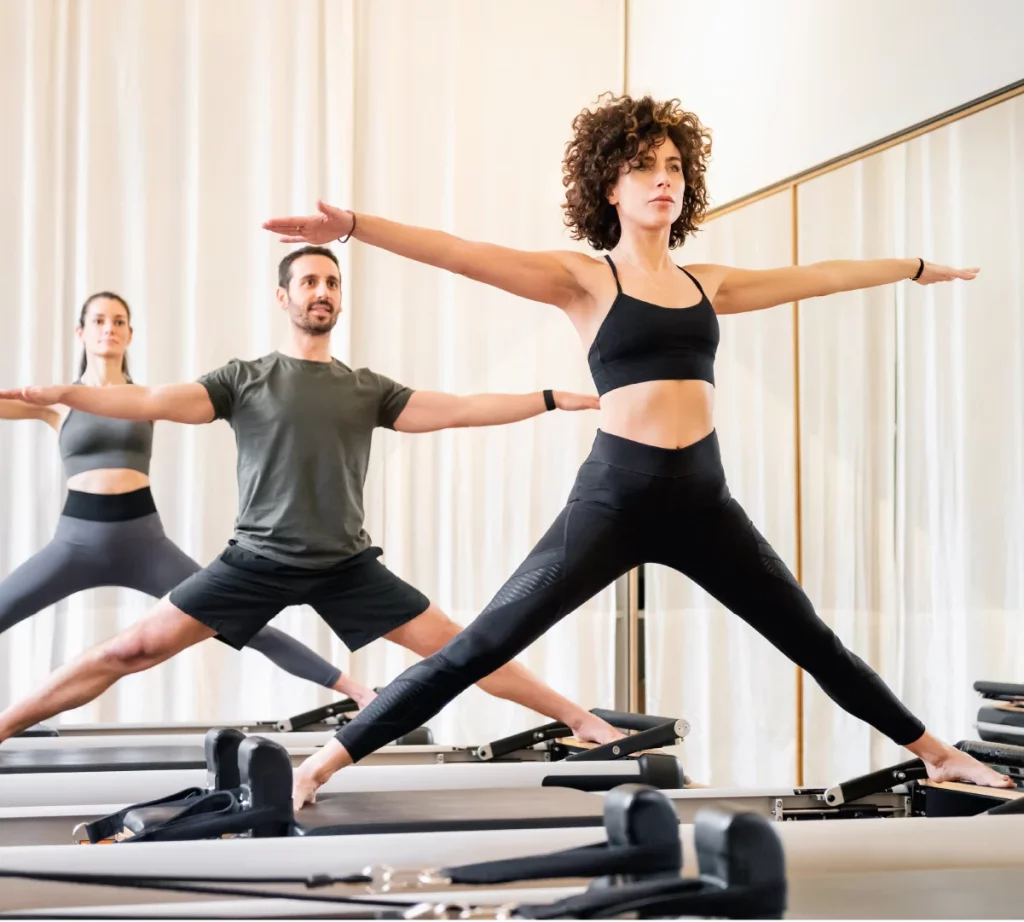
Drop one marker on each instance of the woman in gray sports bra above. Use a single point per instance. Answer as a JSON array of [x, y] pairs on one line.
[[109, 532]]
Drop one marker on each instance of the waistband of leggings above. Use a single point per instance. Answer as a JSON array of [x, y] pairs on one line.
[[700, 456], [109, 507]]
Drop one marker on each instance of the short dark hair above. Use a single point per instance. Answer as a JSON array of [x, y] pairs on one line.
[[621, 131], [284, 268]]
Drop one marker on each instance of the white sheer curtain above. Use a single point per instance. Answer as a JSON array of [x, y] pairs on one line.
[[913, 422], [960, 449], [149, 142], [847, 351], [703, 662], [478, 156]]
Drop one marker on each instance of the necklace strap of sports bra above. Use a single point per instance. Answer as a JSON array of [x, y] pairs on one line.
[[615, 272]]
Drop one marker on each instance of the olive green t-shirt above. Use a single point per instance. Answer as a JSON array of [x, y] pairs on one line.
[[303, 432]]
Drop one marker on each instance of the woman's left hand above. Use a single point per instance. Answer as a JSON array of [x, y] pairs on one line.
[[935, 273]]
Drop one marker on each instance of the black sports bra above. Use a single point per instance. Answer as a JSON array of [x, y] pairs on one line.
[[639, 341]]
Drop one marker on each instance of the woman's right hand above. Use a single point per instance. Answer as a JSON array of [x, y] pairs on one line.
[[37, 396], [329, 224]]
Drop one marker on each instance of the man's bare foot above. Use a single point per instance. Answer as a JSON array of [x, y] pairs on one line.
[[954, 765], [364, 697], [358, 692], [594, 730]]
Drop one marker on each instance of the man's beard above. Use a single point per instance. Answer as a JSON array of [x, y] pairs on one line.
[[303, 318]]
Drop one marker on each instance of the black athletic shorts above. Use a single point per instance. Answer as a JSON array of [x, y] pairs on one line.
[[241, 591]]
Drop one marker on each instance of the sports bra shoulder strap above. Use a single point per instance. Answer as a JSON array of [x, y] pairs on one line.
[[615, 272], [693, 279]]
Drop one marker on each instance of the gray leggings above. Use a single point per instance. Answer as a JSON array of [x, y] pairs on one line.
[[135, 554]]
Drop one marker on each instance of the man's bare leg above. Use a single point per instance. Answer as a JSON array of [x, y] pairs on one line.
[[429, 632], [159, 636], [425, 635]]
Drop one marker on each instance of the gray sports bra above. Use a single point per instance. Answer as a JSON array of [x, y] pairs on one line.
[[89, 443]]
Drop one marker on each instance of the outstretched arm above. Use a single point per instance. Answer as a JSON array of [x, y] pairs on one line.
[[17, 408], [739, 290], [428, 411], [180, 403], [556, 277]]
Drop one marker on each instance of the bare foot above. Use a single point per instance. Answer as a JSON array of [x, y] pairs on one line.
[[364, 697], [594, 730], [358, 692], [954, 765]]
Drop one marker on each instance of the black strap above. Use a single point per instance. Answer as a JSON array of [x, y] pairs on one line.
[[666, 900], [920, 269], [615, 272], [217, 813], [213, 824], [549, 400], [693, 279], [108, 826], [204, 815], [589, 861], [185, 885]]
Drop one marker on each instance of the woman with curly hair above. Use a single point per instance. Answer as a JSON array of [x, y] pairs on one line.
[[653, 488]]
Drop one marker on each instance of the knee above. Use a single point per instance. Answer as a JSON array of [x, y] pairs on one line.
[[130, 652]]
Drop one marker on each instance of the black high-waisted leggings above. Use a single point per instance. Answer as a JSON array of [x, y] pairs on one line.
[[632, 504]]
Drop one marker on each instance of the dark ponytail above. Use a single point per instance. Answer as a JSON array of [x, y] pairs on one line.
[[81, 323]]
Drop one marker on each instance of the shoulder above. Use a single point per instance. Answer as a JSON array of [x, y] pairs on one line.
[[594, 280], [236, 368], [583, 266], [367, 376], [710, 276], [384, 386]]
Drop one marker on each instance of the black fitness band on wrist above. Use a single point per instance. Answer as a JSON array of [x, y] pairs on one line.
[[348, 236], [549, 400], [920, 269]]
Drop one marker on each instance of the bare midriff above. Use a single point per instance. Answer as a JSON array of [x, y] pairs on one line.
[[665, 414], [108, 481]]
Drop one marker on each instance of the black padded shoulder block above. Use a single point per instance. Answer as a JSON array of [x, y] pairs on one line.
[[1002, 691]]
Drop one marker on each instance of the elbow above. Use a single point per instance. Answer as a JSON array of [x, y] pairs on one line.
[[825, 279]]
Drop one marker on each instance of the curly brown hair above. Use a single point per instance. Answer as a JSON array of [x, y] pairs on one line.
[[620, 131]]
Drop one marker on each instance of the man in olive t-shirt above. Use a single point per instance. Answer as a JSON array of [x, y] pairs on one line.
[[303, 422]]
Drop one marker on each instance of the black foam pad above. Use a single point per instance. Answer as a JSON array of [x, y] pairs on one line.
[[1002, 716], [1001, 690], [265, 770], [738, 849], [639, 817], [449, 811], [994, 753], [221, 748], [635, 814], [660, 770], [39, 730]]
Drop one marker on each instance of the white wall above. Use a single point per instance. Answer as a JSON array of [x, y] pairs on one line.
[[787, 84]]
